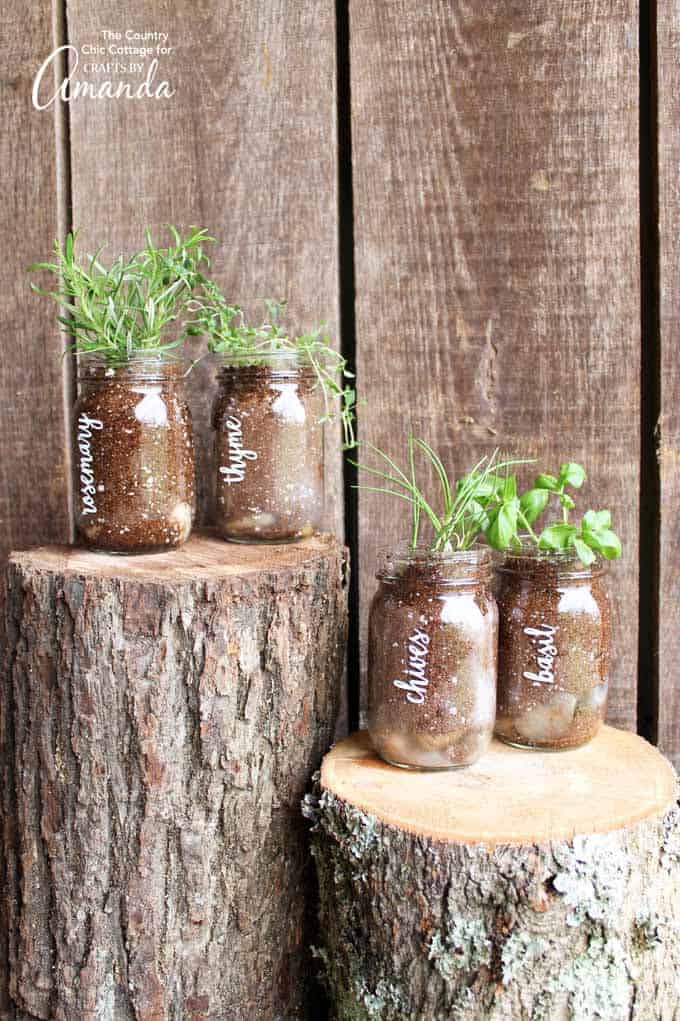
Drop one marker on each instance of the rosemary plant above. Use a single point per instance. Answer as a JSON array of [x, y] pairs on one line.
[[125, 308], [466, 506], [230, 336]]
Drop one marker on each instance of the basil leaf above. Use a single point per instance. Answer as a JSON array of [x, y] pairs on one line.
[[585, 554], [557, 537], [503, 527], [533, 503], [596, 520], [605, 542], [548, 482], [572, 474]]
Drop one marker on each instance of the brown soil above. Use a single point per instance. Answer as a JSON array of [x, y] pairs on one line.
[[453, 723], [562, 704], [133, 465], [269, 454]]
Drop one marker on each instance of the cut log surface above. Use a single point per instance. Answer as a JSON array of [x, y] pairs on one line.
[[161, 719], [529, 885]]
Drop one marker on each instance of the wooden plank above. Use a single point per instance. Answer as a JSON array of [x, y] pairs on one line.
[[245, 147], [496, 199], [668, 431], [33, 468]]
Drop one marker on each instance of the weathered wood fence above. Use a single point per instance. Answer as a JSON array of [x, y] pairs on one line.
[[481, 199]]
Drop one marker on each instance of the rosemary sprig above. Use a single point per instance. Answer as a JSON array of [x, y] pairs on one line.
[[229, 335], [125, 308]]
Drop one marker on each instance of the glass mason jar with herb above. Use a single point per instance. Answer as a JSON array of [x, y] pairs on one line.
[[554, 646], [432, 658], [555, 620], [433, 622], [274, 397], [133, 455], [269, 448]]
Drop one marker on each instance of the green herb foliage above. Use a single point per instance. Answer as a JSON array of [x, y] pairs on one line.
[[125, 308], [466, 506], [487, 502], [509, 516], [229, 335], [592, 536]]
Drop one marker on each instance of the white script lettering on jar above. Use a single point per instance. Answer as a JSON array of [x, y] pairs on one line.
[[87, 480], [416, 685], [236, 470], [542, 639]]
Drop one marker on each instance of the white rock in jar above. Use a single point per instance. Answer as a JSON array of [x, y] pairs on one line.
[[549, 721]]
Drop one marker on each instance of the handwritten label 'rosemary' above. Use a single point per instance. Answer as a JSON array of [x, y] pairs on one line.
[[235, 471], [86, 425], [416, 685], [543, 641]]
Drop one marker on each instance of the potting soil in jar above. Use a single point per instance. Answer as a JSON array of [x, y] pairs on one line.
[[133, 457], [269, 450], [433, 629], [554, 643]]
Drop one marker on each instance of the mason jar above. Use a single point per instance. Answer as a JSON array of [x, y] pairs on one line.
[[269, 449], [432, 651], [133, 456], [554, 643]]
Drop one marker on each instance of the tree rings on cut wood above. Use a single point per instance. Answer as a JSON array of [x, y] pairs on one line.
[[161, 719], [529, 885]]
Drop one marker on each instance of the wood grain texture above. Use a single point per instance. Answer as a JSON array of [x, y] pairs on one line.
[[558, 926], [166, 725], [33, 474], [246, 147], [33, 468], [510, 796], [668, 429], [496, 199]]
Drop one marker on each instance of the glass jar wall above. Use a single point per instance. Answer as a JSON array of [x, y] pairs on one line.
[[432, 653], [554, 644], [269, 449], [133, 456]]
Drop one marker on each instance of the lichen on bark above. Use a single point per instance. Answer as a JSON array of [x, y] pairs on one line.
[[574, 930]]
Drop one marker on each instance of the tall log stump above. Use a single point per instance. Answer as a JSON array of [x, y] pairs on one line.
[[162, 718], [528, 886]]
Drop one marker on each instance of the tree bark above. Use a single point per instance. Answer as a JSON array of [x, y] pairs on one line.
[[424, 920], [163, 716]]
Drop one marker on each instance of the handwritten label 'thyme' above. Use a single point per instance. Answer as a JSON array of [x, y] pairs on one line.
[[235, 471]]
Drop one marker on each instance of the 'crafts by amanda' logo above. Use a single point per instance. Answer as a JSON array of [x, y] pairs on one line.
[[125, 65]]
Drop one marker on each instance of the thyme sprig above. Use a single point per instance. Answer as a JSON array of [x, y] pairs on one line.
[[125, 308], [465, 506], [230, 335]]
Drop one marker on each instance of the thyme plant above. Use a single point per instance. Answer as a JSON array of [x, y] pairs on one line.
[[125, 308], [230, 335]]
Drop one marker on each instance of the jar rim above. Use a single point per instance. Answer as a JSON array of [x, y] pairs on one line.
[[448, 567], [270, 361], [564, 562], [96, 366]]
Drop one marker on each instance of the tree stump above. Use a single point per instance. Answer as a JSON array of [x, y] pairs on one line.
[[162, 718], [528, 886]]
